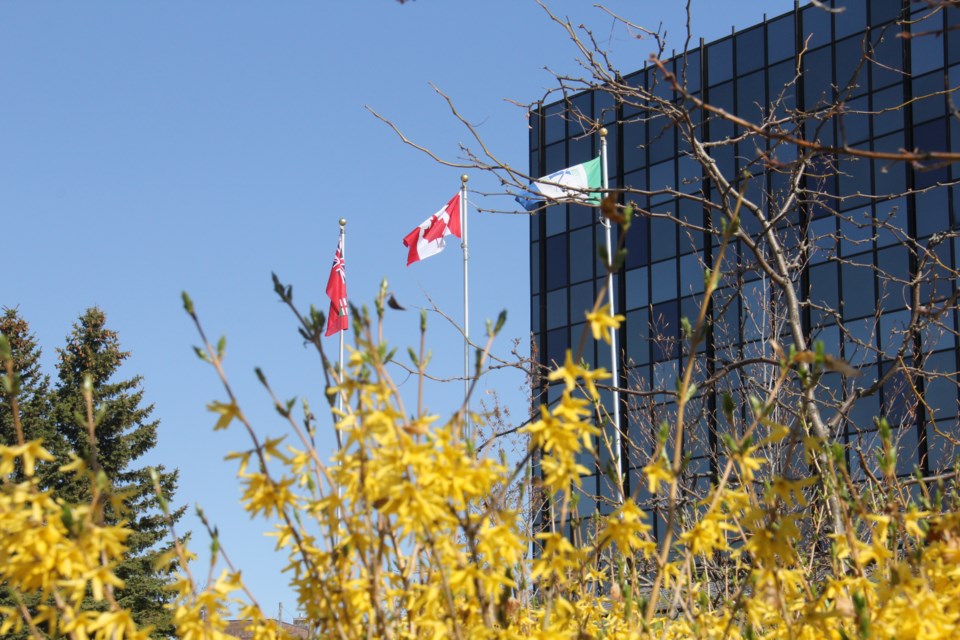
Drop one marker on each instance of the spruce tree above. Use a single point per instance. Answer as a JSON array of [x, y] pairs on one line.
[[32, 395], [30, 387], [124, 432]]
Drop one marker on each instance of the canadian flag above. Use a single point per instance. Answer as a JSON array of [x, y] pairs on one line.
[[427, 239]]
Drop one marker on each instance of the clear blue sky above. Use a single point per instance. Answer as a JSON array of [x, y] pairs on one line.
[[152, 147]]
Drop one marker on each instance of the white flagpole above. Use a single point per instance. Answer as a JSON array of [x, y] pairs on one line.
[[343, 257], [610, 298], [467, 428]]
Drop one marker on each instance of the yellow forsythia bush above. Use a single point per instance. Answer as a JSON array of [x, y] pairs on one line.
[[409, 532]]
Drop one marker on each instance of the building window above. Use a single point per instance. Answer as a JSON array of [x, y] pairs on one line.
[[780, 38], [720, 61]]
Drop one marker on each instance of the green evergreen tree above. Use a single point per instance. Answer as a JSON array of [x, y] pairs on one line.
[[31, 388], [32, 395], [124, 432]]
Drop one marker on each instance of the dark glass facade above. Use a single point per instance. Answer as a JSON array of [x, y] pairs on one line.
[[860, 229]]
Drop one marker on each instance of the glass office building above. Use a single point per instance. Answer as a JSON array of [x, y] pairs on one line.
[[869, 238]]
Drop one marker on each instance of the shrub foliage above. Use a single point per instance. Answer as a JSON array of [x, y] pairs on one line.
[[409, 532]]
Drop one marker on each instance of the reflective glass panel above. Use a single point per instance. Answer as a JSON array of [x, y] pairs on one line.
[[638, 289], [556, 126], [720, 61], [816, 25], [853, 18], [888, 54], [817, 79], [664, 281], [858, 293], [749, 50], [780, 38], [884, 11], [634, 141], [557, 308], [926, 105], [581, 255], [556, 262], [926, 52], [850, 76]]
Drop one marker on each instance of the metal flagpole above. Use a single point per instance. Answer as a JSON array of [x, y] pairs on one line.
[[467, 428], [610, 299], [343, 258], [343, 262]]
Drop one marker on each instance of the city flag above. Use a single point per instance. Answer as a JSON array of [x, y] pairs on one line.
[[337, 319], [428, 238], [574, 184]]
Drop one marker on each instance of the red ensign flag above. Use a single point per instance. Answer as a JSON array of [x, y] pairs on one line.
[[337, 319]]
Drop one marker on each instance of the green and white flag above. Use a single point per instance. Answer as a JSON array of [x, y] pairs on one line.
[[574, 184]]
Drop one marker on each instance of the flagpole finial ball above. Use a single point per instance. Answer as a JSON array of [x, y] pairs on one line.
[[603, 132], [464, 178], [343, 222]]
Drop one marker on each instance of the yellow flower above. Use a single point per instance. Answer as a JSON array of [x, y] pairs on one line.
[[602, 324], [748, 464], [790, 490], [626, 529], [707, 534], [658, 471], [570, 372], [561, 435], [28, 453], [911, 522], [769, 541], [590, 376]]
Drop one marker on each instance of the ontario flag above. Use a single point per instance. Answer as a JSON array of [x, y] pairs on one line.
[[427, 239], [337, 319]]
